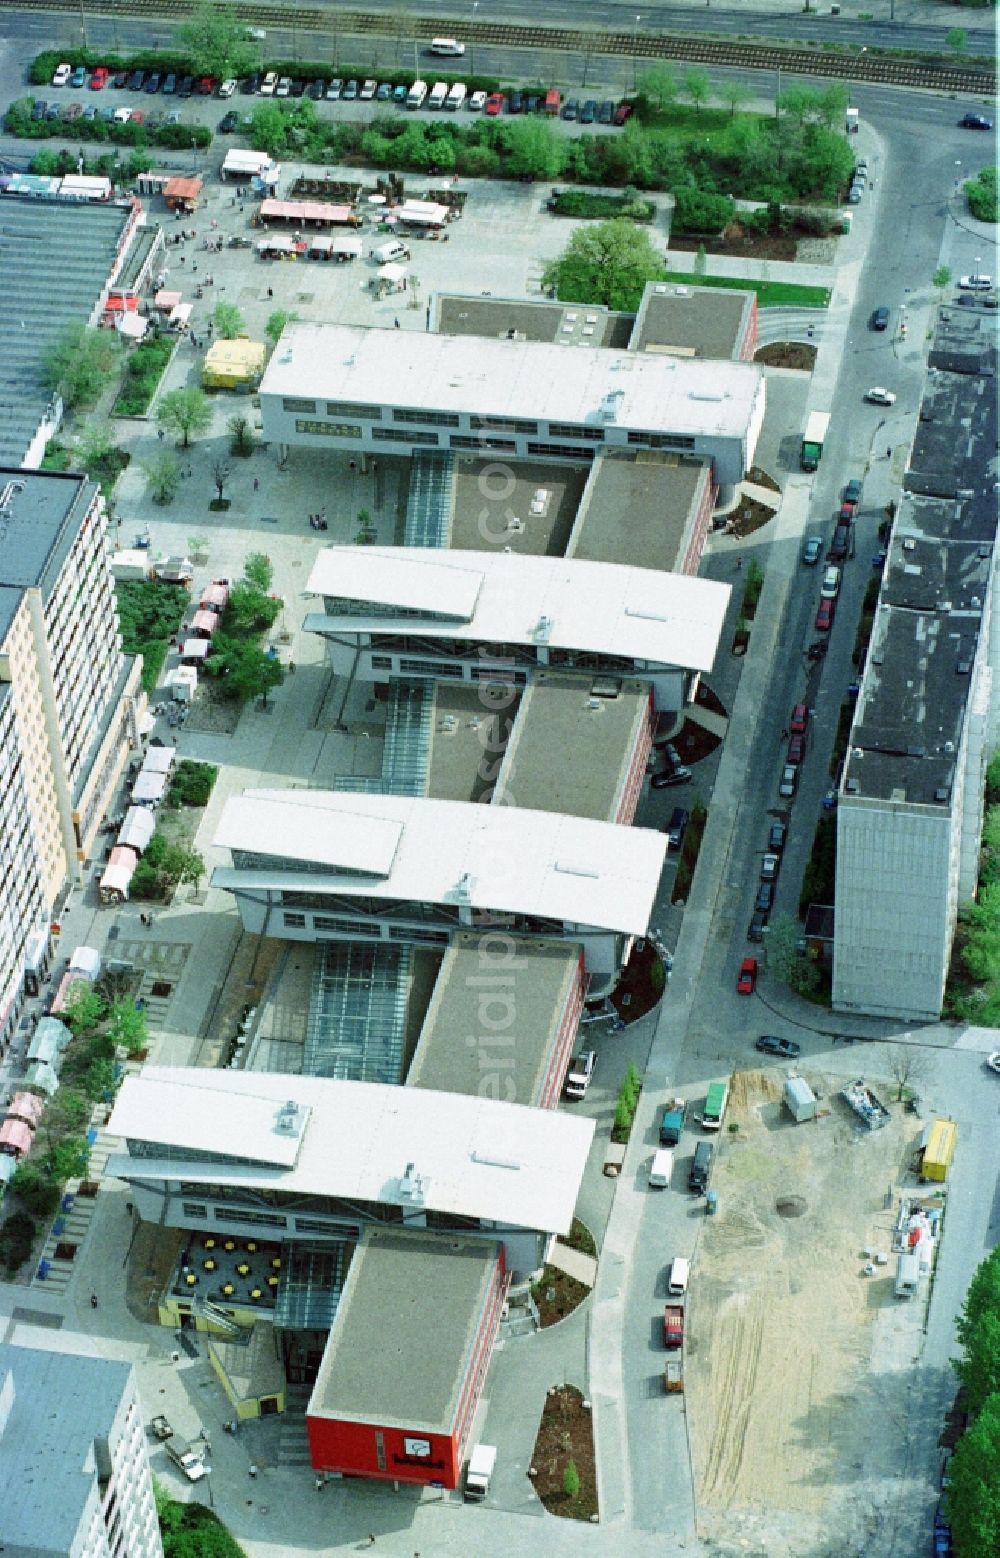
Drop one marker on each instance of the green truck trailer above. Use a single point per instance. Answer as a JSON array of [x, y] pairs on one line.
[[814, 439], [715, 1106]]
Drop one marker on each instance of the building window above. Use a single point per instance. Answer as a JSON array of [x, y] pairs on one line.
[[350, 408], [381, 662], [328, 429], [244, 1215], [503, 424], [433, 418], [295, 921], [431, 668], [482, 442], [567, 430], [411, 435], [194, 1209], [290, 404], [566, 450], [660, 441]]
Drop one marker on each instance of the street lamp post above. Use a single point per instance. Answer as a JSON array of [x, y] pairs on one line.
[[635, 55], [472, 46]]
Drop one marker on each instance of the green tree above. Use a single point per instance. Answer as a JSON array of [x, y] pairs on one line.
[[250, 610], [221, 472], [247, 671], [80, 362], [698, 211], [17, 1235], [941, 278], [799, 103], [217, 41], [228, 320], [36, 1188], [163, 473], [186, 412], [83, 1010], [183, 863], [128, 1026], [608, 262], [658, 84], [956, 38], [269, 127], [95, 443], [978, 1328], [533, 148], [735, 93], [972, 1500], [785, 961], [276, 323], [697, 86], [99, 1078], [241, 433], [571, 1480], [258, 570], [68, 1159], [831, 104]]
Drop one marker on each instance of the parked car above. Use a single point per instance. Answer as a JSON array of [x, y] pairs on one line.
[[250, 86], [588, 113], [139, 116], [776, 837], [205, 86], [825, 614], [532, 103], [368, 90], [973, 283], [316, 90], [477, 102], [90, 112], [771, 1044], [769, 867], [169, 84], [812, 551], [854, 195], [796, 749], [122, 115], [830, 587], [623, 113], [384, 93], [975, 122], [229, 122], [350, 92], [228, 87], [72, 111], [515, 103], [38, 109], [765, 898], [135, 80], [185, 86], [746, 982], [493, 105], [62, 75], [798, 721], [679, 819], [153, 82], [79, 76], [268, 86], [671, 776], [852, 494], [789, 782], [879, 318], [842, 546], [335, 89], [571, 108], [284, 87], [879, 396], [99, 79], [121, 80], [606, 112], [52, 113], [757, 926]]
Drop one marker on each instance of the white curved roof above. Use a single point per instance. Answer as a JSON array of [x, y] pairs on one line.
[[471, 1156], [503, 597], [415, 849]]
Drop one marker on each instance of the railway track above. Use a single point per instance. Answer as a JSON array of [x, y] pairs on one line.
[[839, 64]]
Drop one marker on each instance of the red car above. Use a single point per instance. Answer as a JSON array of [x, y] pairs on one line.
[[747, 982], [673, 1325], [205, 86], [796, 749], [623, 113], [799, 722], [99, 79], [824, 616], [494, 104]]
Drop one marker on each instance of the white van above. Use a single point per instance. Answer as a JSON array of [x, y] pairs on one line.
[[439, 95], [677, 1277], [456, 97], [389, 253], [908, 1274], [446, 46], [416, 95], [661, 1169]]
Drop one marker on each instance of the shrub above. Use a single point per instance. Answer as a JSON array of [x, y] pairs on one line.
[[144, 369], [17, 1235], [191, 784]]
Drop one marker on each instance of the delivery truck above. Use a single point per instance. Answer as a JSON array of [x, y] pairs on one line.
[[417, 94], [182, 1455], [715, 1106], [814, 439], [939, 1150], [479, 1472], [438, 95], [672, 1123]]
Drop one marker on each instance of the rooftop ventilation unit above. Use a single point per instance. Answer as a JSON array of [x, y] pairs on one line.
[[851, 786], [412, 1187], [515, 525], [941, 794], [9, 493], [610, 405], [543, 628], [286, 1121], [463, 892], [909, 544]]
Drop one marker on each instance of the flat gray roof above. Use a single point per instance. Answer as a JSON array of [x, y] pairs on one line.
[[534, 978], [62, 1403], [456, 313], [399, 1349], [55, 260], [571, 751], [641, 506], [481, 520], [468, 741], [691, 321], [39, 521]]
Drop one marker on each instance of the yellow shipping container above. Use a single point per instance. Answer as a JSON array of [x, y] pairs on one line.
[[940, 1150]]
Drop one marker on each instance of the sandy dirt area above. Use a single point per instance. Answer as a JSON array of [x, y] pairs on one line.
[[779, 1329]]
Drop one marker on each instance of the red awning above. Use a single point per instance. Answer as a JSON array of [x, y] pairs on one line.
[[15, 1136]]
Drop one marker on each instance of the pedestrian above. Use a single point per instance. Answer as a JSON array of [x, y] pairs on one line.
[[319, 1484], [888, 453], [256, 484], [183, 258], [291, 665], [270, 292], [784, 734], [396, 323], [739, 564], [194, 265], [159, 434], [252, 1469], [93, 1300]]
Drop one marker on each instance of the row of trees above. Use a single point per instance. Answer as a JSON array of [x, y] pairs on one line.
[[750, 156], [976, 997], [241, 667], [972, 1500], [18, 121], [167, 862]]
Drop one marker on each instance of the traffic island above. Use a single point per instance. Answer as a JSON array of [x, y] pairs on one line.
[[562, 1466]]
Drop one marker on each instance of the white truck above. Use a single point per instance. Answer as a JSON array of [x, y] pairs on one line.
[[455, 98], [478, 1473], [438, 95], [417, 95], [182, 1455]]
